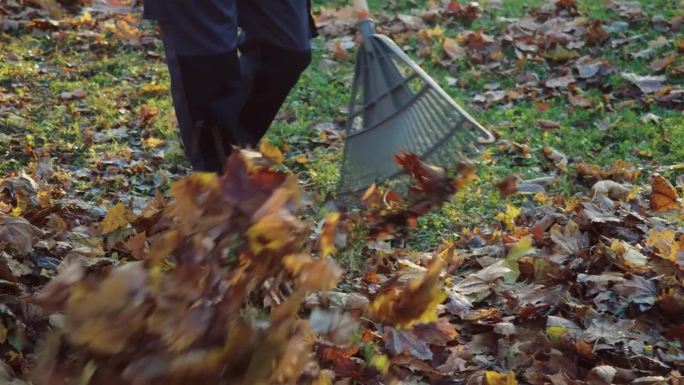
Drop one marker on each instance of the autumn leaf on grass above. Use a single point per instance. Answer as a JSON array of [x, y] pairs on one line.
[[496, 378], [338, 52], [152, 142], [662, 64], [663, 196], [117, 218], [508, 217], [406, 304], [271, 152], [18, 234], [559, 159]]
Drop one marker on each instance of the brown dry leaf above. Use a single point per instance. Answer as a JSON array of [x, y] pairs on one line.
[[117, 218], [18, 234], [580, 101], [601, 375], [611, 189], [136, 244], [662, 64], [509, 185], [72, 95], [338, 52], [663, 196], [558, 158], [146, 114], [453, 50], [548, 124]]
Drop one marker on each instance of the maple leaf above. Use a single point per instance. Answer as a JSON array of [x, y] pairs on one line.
[[663, 196], [664, 243], [117, 218], [410, 303]]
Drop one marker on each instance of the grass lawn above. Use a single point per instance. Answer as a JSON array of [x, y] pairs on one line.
[[105, 129]]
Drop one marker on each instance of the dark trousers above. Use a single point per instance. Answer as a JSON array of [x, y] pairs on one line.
[[227, 87]]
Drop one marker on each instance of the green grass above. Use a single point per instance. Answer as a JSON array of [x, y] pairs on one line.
[[114, 76]]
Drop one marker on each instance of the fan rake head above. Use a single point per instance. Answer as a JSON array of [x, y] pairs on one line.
[[396, 107]]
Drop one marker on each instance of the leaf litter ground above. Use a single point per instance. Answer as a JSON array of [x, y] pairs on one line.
[[109, 276]]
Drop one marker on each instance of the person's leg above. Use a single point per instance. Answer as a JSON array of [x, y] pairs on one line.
[[200, 40], [275, 49]]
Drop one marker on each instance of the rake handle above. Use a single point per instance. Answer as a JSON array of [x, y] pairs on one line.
[[361, 9]]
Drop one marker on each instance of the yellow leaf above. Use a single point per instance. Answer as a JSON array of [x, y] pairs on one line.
[[406, 304], [116, 219], [508, 217], [380, 362], [555, 333], [496, 378], [664, 243], [271, 152], [436, 32], [152, 142], [44, 199], [155, 88], [541, 198], [301, 159]]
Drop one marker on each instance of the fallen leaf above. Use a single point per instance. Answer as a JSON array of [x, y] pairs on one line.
[[338, 52], [117, 218], [662, 64], [496, 378], [548, 124], [72, 95], [18, 234], [558, 158], [647, 84], [663, 196], [453, 50], [271, 152]]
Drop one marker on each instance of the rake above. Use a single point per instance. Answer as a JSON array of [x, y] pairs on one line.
[[396, 106]]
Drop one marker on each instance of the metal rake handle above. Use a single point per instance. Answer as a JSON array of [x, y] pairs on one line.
[[362, 10]]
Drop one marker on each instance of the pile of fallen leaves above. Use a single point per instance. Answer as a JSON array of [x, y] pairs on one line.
[[227, 283], [214, 286]]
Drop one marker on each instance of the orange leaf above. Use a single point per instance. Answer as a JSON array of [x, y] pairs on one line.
[[328, 234], [663, 196], [271, 152]]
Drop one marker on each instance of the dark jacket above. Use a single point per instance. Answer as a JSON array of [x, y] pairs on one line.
[[154, 10]]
